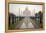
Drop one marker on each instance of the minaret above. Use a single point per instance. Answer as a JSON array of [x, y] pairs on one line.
[[34, 11], [19, 11]]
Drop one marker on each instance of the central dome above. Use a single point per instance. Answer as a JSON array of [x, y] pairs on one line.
[[26, 12]]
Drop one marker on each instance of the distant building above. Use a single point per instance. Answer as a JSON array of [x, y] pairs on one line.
[[26, 12]]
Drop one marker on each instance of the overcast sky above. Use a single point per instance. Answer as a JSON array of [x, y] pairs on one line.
[[18, 9]]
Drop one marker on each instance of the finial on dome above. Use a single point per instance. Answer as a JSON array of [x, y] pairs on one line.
[[26, 8]]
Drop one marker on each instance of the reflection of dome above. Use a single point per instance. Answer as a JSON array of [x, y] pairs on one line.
[[26, 12]]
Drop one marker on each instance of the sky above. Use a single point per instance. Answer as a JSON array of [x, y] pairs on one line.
[[18, 9]]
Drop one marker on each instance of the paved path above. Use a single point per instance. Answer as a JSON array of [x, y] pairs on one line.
[[27, 23]]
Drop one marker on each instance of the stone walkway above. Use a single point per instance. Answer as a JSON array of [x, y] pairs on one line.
[[27, 23]]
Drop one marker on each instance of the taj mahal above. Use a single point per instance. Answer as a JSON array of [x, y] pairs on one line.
[[26, 12], [25, 16], [27, 22]]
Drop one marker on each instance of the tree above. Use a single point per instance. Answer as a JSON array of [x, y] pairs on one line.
[[41, 17]]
